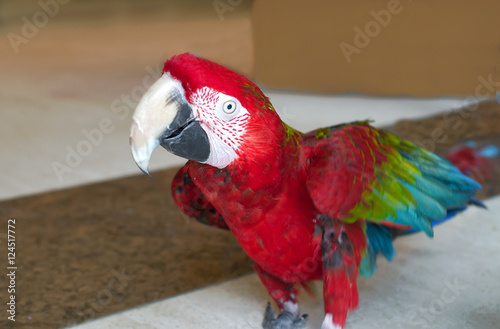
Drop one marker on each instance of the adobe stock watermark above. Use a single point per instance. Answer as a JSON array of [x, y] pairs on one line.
[[363, 37], [486, 88], [423, 316], [94, 305], [93, 138], [225, 6], [31, 26]]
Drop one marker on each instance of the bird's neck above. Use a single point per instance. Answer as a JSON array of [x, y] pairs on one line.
[[265, 162]]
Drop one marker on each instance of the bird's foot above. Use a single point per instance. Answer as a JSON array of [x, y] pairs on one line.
[[288, 319]]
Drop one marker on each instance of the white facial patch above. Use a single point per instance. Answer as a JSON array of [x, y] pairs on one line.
[[224, 120]]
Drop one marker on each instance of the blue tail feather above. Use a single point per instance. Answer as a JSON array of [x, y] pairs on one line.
[[440, 192], [380, 239], [490, 151], [449, 215]]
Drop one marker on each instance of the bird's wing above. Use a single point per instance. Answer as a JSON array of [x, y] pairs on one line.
[[192, 202], [356, 171]]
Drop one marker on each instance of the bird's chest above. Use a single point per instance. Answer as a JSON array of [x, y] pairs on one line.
[[274, 226]]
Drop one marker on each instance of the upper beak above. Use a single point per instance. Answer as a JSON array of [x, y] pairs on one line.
[[164, 117], [141, 146]]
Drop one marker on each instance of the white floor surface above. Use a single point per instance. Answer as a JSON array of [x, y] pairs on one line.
[[449, 282], [57, 143]]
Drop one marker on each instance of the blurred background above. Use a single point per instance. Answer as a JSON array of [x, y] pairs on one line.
[[72, 72], [66, 65]]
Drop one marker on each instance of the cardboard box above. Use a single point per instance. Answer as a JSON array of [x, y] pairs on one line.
[[390, 47]]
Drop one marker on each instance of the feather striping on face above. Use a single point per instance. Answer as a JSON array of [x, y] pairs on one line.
[[224, 120]]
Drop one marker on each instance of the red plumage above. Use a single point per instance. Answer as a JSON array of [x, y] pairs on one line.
[[472, 163], [300, 205]]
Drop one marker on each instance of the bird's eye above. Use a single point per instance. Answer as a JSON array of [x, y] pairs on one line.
[[229, 107]]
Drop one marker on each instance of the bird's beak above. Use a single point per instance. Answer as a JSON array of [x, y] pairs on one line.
[[164, 117]]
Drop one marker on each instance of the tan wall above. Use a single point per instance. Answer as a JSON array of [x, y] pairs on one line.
[[389, 47]]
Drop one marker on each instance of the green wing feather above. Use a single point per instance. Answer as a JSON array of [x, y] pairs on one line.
[[359, 172]]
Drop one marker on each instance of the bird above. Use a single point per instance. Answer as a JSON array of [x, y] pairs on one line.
[[321, 205]]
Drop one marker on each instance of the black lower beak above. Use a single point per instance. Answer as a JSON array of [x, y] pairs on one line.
[[185, 137]]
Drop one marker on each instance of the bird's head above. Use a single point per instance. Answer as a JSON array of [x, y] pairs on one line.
[[205, 112]]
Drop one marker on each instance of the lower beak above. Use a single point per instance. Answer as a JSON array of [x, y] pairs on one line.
[[189, 141]]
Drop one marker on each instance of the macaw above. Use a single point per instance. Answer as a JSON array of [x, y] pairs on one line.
[[304, 206]]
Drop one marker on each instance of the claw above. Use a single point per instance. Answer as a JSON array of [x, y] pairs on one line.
[[285, 320], [269, 316]]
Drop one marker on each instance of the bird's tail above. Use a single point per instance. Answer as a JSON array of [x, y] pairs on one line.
[[477, 164], [474, 163]]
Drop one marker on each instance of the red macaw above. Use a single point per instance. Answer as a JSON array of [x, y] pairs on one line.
[[314, 206]]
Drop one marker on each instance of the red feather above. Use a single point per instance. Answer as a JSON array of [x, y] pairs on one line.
[[287, 191]]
